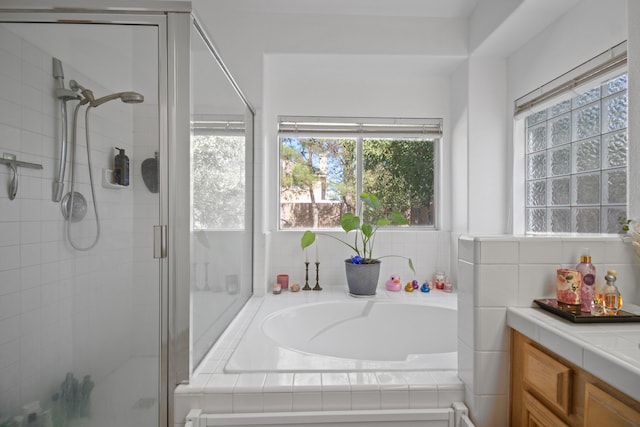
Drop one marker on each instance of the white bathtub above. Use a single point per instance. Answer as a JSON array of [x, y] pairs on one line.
[[389, 332]]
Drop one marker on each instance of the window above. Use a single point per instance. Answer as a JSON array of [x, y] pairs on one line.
[[576, 162], [325, 163], [218, 173]]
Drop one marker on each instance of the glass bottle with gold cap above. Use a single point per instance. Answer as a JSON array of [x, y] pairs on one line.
[[611, 295]]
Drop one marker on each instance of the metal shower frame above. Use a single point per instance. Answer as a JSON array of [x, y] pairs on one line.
[[173, 22]]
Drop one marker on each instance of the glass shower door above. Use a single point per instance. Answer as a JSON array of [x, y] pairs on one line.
[[221, 198], [79, 321]]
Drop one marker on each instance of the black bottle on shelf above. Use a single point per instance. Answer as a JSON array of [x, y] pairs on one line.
[[121, 168]]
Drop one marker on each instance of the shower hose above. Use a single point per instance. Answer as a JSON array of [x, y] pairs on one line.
[[71, 178]]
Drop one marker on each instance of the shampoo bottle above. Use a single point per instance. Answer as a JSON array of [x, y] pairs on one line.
[[121, 168], [587, 288]]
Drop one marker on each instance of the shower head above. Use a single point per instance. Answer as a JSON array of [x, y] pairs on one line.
[[126, 97]]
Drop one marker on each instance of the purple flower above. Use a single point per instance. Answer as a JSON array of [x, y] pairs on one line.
[[356, 259]]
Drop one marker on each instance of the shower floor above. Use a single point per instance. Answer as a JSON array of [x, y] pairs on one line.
[[215, 391], [117, 401]]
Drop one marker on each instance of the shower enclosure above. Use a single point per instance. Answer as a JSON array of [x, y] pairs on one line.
[[97, 312]]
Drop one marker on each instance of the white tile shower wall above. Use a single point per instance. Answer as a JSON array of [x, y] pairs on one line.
[[496, 272], [55, 296]]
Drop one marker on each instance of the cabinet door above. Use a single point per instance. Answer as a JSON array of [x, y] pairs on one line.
[[602, 409], [548, 377], [535, 414]]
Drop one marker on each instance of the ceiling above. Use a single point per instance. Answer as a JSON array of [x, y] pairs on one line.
[[415, 8]]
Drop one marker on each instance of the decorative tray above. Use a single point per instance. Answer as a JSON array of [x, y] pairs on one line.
[[551, 305]]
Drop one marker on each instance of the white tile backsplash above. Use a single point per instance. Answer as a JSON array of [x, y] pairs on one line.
[[496, 285], [491, 251], [489, 330]]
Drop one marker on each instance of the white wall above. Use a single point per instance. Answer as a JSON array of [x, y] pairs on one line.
[[363, 85], [589, 29]]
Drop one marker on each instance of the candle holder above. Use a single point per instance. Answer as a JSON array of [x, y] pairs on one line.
[[306, 277], [317, 286]]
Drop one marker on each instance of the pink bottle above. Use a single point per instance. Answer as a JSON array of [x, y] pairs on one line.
[[588, 272]]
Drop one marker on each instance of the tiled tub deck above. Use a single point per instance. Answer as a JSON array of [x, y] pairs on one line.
[[215, 391]]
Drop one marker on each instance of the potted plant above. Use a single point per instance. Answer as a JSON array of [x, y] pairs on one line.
[[362, 269]]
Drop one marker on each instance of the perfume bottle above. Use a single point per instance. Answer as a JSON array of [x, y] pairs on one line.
[[610, 294], [587, 287]]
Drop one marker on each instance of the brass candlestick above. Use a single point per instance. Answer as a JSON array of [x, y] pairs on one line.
[[306, 277], [317, 286]]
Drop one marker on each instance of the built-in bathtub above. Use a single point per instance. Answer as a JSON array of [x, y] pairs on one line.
[[310, 352], [347, 334]]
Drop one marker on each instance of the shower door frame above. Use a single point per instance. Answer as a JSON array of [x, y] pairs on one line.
[[173, 25]]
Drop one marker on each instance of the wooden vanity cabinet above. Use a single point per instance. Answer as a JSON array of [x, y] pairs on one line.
[[549, 391]]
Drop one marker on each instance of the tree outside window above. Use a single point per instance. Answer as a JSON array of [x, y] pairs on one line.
[[320, 178]]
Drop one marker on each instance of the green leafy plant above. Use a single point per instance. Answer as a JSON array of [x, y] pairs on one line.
[[365, 233]]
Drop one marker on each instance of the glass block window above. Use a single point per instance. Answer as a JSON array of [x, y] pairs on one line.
[[576, 163]]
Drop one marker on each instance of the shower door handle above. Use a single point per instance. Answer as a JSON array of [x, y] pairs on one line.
[[159, 241]]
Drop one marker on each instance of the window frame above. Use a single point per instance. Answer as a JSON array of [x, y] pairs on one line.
[[347, 127]]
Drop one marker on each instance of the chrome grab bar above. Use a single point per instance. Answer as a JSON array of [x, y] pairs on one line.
[[10, 160]]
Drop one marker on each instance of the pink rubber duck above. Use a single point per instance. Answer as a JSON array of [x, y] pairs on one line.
[[393, 284]]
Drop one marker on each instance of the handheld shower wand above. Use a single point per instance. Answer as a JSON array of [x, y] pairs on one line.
[[89, 98], [69, 207]]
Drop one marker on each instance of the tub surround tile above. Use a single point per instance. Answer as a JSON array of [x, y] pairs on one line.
[[466, 249], [392, 381], [540, 251], [247, 402], [422, 399], [363, 381], [490, 377], [307, 382], [490, 330], [362, 400], [466, 313], [491, 410], [465, 363], [307, 401], [502, 251], [420, 380], [221, 383], [446, 395], [199, 382], [250, 383], [278, 383], [335, 381], [217, 403], [277, 402], [394, 399], [496, 285], [336, 400]]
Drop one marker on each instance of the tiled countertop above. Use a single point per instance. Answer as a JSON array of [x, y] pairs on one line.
[[610, 351]]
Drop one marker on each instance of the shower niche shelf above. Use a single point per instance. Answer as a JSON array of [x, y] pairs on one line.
[[108, 181]]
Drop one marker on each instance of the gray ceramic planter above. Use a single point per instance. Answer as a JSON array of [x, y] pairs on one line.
[[362, 278]]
